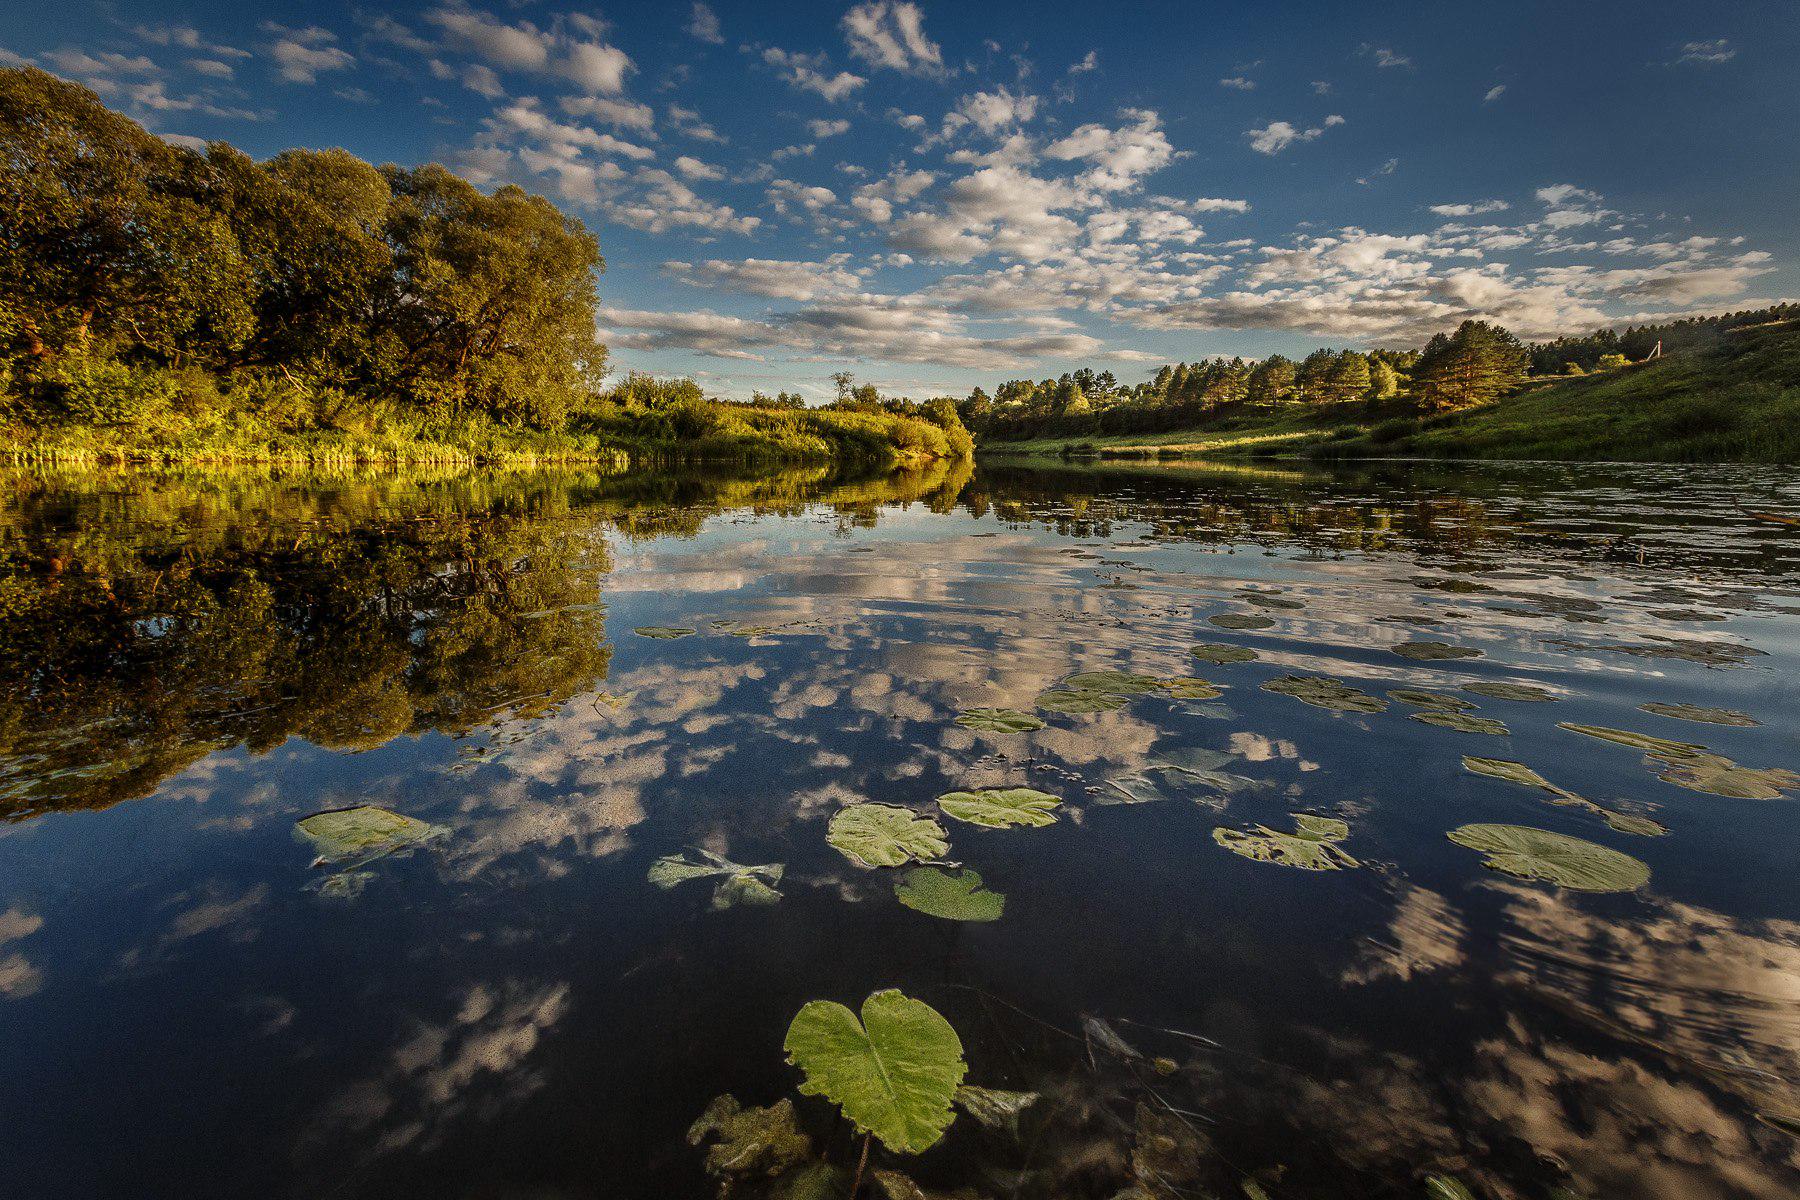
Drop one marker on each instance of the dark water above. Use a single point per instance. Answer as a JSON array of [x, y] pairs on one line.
[[190, 666]]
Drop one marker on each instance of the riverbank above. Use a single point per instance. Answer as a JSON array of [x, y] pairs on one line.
[[1738, 401]]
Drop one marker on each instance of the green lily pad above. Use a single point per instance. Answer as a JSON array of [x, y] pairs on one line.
[[1433, 651], [358, 834], [1265, 600], [1555, 858], [1186, 687], [1420, 698], [1648, 743], [1463, 722], [1694, 712], [1632, 823], [999, 720], [742, 629], [1115, 683], [885, 835], [1060, 700], [951, 895], [1522, 692], [1322, 691], [1241, 621], [894, 1072], [750, 1142], [1218, 653], [994, 1107], [1512, 772], [998, 808], [1696, 768], [664, 632], [736, 883], [1312, 847]]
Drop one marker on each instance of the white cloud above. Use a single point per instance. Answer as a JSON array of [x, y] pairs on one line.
[[592, 65], [598, 68], [620, 114], [1716, 51], [1385, 57], [692, 168], [211, 67], [1089, 62], [825, 129], [687, 122], [83, 65], [1494, 93], [1238, 83], [1277, 136], [810, 73], [703, 23], [302, 54], [1470, 210], [779, 278], [891, 34], [992, 112], [1120, 157]]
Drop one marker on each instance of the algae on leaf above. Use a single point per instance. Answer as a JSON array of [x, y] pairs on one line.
[[951, 895], [894, 1073], [1186, 687], [885, 835], [998, 720], [998, 808], [763, 1142], [1557, 858], [351, 835], [1311, 847]]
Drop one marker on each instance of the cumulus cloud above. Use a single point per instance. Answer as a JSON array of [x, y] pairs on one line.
[[1277, 136], [811, 73], [1476, 209], [1718, 50], [779, 278], [620, 114], [703, 23], [1089, 62], [1238, 83], [1120, 157], [1494, 93], [692, 168], [302, 54], [991, 112], [824, 129], [567, 50], [891, 34]]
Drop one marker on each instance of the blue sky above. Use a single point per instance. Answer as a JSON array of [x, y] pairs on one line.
[[937, 195]]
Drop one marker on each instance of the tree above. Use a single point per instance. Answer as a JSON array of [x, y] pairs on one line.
[[1478, 363], [1384, 381], [1312, 380], [1348, 378], [1272, 381]]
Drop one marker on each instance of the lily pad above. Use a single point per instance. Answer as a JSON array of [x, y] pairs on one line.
[[1241, 621], [999, 808], [1513, 772], [742, 629], [1265, 600], [1694, 712], [1522, 692], [1218, 653], [1116, 683], [1433, 651], [1186, 687], [1311, 847], [1463, 722], [1061, 700], [1420, 698], [1555, 858], [1697, 768], [894, 1072], [1131, 789], [736, 883], [358, 834], [664, 632], [999, 720], [1322, 691], [885, 835], [951, 895], [994, 1107]]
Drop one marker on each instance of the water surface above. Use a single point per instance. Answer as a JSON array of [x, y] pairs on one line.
[[189, 1006]]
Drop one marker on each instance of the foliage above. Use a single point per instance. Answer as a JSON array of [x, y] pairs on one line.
[[894, 1073], [361, 833], [951, 895], [885, 835], [998, 808], [1311, 847], [1553, 858]]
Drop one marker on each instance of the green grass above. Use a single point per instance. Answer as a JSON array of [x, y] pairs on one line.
[[1738, 401]]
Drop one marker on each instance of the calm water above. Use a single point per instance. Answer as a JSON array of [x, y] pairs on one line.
[[190, 1007]]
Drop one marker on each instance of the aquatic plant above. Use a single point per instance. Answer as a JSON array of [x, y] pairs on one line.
[[951, 895], [1322, 691], [355, 835], [664, 632], [998, 808], [1557, 858], [998, 720], [1311, 847], [885, 835], [737, 884]]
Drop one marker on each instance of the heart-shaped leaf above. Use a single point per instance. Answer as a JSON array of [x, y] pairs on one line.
[[1553, 857], [999, 720], [894, 1072], [950, 895], [1311, 847], [886, 835], [997, 808]]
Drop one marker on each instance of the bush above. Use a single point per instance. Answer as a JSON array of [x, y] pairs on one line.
[[1393, 430]]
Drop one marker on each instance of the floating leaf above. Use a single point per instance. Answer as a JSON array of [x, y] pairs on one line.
[[1522, 692], [664, 632], [1649, 743], [1131, 789], [1218, 653], [741, 629], [1512, 772], [750, 1141], [1103, 1035], [1462, 722], [1556, 858], [1697, 768], [993, 1107], [1633, 824], [737, 884], [1241, 621], [1433, 651], [894, 1072], [999, 720], [362, 833], [1420, 698], [952, 895], [1446, 1187], [1115, 683], [1059, 700], [1322, 691], [1694, 712], [1265, 600], [885, 835], [1312, 847], [345, 885], [998, 808], [1186, 687]]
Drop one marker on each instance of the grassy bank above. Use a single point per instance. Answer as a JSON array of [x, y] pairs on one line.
[[1738, 401]]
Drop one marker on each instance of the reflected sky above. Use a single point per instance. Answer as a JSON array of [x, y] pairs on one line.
[[511, 1009]]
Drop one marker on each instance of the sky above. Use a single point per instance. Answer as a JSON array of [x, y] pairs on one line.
[[938, 195]]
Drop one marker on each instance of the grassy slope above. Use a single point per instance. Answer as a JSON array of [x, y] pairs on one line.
[[1737, 402]]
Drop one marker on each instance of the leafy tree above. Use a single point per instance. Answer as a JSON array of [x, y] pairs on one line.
[[1348, 378], [1478, 363], [1384, 381], [1272, 381]]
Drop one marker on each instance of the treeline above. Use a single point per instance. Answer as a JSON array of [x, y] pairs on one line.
[[1475, 364], [166, 303]]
